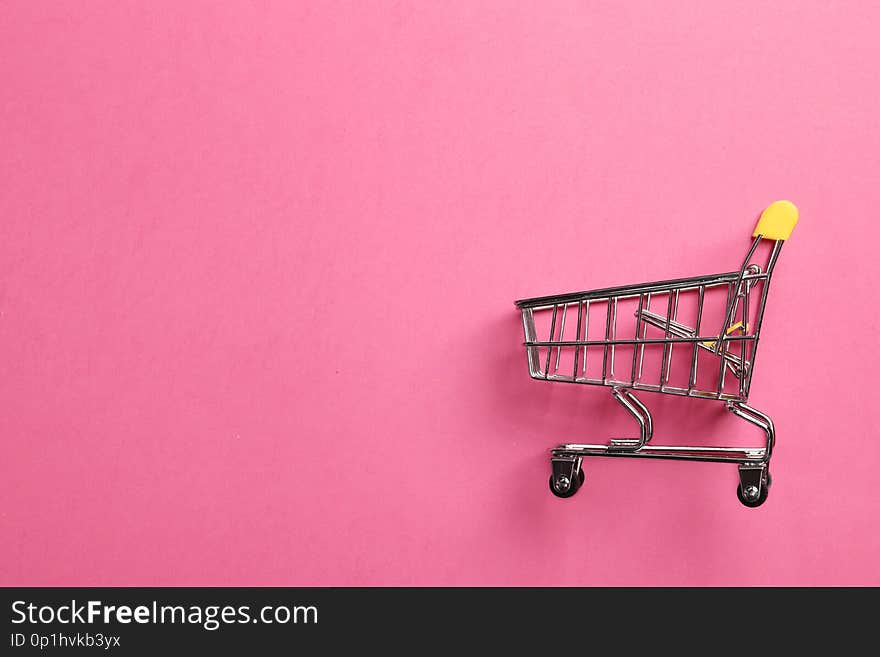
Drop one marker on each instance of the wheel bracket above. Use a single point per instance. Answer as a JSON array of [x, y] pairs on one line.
[[566, 472], [752, 480]]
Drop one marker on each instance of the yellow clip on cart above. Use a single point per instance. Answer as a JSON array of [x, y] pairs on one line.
[[699, 340]]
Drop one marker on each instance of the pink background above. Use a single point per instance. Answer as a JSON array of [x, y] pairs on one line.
[[257, 267]]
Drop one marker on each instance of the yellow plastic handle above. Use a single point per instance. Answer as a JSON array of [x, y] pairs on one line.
[[777, 221]]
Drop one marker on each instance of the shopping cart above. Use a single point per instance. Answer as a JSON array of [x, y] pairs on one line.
[[694, 337]]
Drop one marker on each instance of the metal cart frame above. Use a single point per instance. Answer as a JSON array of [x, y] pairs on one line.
[[735, 347]]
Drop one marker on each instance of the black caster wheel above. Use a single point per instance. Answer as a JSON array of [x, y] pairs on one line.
[[572, 489], [756, 502]]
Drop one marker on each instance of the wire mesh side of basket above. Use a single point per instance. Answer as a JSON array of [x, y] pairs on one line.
[[694, 337]]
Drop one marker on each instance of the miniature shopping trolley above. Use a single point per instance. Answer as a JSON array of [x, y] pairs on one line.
[[694, 337]]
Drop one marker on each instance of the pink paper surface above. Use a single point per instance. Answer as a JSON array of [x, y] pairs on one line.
[[257, 266]]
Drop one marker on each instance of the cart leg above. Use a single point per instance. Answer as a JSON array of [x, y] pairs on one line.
[[641, 414], [567, 475], [754, 478]]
